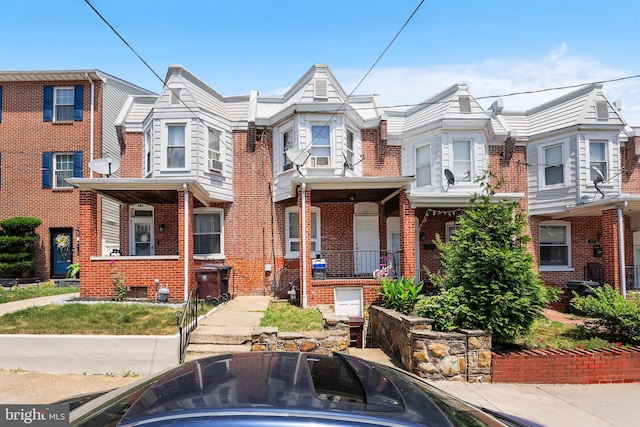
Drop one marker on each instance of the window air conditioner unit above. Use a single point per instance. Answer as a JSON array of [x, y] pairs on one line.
[[215, 165], [322, 161]]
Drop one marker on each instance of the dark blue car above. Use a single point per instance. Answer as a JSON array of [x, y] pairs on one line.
[[281, 389]]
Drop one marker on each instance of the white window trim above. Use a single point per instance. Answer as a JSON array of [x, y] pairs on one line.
[[449, 228], [55, 104], [567, 267], [295, 254], [165, 145], [147, 161], [415, 167], [54, 179], [607, 154], [472, 165], [216, 256], [332, 148], [542, 165], [210, 152], [288, 129]]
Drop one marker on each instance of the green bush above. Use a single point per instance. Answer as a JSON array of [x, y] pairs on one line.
[[400, 294], [18, 245], [442, 309], [611, 313], [20, 226]]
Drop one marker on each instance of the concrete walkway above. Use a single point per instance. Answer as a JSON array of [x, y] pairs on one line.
[[10, 307]]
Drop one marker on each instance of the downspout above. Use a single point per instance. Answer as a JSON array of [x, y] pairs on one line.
[[91, 122], [186, 240], [623, 278], [303, 218]]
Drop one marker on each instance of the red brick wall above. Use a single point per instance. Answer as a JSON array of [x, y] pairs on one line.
[[23, 139], [380, 159], [132, 155], [605, 366]]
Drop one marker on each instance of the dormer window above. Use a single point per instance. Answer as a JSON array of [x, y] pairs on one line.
[[320, 146], [423, 165], [147, 152], [598, 159], [462, 167], [348, 152], [287, 144], [176, 146], [553, 165], [213, 153]]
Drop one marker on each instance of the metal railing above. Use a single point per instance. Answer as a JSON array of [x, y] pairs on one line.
[[632, 277], [350, 264], [188, 322]]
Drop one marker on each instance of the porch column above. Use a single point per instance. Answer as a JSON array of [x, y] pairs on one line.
[[304, 228], [610, 245], [407, 236], [88, 238], [185, 237]]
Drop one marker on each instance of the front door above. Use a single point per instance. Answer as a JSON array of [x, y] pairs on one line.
[[61, 251], [142, 237], [367, 244]]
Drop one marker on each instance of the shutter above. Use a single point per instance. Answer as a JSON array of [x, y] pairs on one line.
[[0, 104], [47, 104], [47, 169], [77, 164], [77, 102]]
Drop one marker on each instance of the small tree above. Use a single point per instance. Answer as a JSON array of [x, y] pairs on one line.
[[489, 281], [18, 240]]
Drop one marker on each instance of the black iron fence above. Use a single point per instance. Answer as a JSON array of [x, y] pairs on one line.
[[188, 322]]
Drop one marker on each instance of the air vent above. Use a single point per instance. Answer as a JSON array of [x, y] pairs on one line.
[[320, 88], [465, 104], [602, 110], [175, 96]]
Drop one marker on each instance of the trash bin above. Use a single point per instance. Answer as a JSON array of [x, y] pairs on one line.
[[583, 288], [356, 327], [319, 268], [213, 283]]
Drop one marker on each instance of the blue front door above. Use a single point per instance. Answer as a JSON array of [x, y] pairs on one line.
[[61, 251]]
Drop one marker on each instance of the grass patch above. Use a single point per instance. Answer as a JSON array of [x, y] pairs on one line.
[[91, 319], [547, 334], [289, 318], [17, 293]]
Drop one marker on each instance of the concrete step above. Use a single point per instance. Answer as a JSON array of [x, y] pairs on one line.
[[198, 351], [224, 335]]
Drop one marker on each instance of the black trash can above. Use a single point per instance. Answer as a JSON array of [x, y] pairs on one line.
[[583, 288]]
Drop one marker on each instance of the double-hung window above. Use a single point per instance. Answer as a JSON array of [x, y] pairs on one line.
[[62, 168], [176, 146], [214, 154], [208, 232], [553, 165], [462, 160], [147, 152], [423, 165], [294, 242], [62, 104], [320, 146], [598, 159], [555, 245], [56, 167], [287, 144], [349, 151]]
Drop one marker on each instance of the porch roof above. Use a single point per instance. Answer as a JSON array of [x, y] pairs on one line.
[[629, 203], [358, 189], [454, 200], [142, 190]]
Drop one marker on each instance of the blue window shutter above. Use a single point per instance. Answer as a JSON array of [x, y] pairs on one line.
[[47, 104], [0, 104], [47, 169], [77, 164], [77, 102]]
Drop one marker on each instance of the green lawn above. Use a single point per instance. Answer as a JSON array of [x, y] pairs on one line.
[[16, 293], [92, 319], [289, 318], [547, 334]]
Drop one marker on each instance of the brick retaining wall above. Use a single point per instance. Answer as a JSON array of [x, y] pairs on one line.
[[604, 366]]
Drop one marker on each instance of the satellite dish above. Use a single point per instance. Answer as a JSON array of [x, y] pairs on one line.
[[105, 166], [298, 156], [599, 175], [450, 178]]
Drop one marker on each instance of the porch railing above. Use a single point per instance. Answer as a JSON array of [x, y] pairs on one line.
[[633, 277], [349, 264], [188, 322]]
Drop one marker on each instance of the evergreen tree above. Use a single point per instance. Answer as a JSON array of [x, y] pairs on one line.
[[18, 239]]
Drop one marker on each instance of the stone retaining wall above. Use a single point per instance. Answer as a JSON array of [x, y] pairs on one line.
[[326, 342], [464, 355]]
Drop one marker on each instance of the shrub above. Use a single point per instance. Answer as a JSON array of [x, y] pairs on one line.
[[489, 281], [400, 294], [442, 309], [17, 245], [612, 314]]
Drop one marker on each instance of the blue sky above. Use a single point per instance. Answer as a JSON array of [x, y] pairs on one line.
[[495, 46]]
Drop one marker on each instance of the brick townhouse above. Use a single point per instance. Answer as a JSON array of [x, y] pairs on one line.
[[52, 125], [316, 189]]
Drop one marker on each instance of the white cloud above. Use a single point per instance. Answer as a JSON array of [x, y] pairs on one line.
[[407, 85]]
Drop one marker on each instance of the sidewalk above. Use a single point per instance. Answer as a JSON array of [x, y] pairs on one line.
[[10, 307]]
